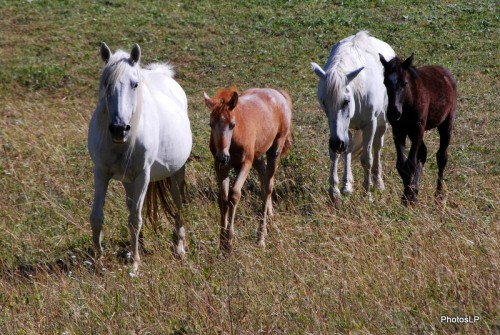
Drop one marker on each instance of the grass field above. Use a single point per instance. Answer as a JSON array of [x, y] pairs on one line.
[[366, 268]]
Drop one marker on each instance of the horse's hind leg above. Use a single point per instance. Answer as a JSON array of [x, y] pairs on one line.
[[101, 182], [442, 155], [177, 191]]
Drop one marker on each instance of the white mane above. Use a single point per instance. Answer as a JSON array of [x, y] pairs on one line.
[[346, 56]]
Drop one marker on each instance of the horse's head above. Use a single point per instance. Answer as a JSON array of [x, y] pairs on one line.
[[396, 76], [119, 88], [336, 97], [222, 122]]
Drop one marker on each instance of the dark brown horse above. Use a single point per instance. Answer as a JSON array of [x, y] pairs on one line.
[[420, 99], [245, 128]]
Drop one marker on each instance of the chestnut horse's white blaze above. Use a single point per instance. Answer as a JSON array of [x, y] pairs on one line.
[[139, 134], [245, 128], [351, 91]]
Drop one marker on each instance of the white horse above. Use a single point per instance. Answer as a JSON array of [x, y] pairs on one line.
[[351, 91], [140, 135]]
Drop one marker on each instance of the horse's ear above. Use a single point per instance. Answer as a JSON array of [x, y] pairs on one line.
[[208, 101], [135, 54], [408, 62], [383, 61], [353, 74], [105, 52], [318, 70], [233, 101]]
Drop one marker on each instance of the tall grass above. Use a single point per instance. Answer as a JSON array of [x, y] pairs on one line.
[[364, 268]]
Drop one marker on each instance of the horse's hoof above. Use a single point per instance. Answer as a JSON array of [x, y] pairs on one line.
[[346, 190], [409, 201], [134, 272], [335, 201], [261, 243], [179, 251], [226, 248], [440, 199]]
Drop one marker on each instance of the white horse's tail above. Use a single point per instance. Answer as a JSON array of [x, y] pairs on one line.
[[158, 195], [357, 144]]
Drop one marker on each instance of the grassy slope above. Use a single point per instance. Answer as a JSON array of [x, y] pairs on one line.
[[368, 268]]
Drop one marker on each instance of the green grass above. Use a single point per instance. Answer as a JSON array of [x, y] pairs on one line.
[[365, 268]]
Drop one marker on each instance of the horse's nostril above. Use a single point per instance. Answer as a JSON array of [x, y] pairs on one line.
[[127, 127]]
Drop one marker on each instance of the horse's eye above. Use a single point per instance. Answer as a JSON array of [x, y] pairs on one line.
[[402, 83], [231, 125], [211, 124], [346, 102], [134, 85]]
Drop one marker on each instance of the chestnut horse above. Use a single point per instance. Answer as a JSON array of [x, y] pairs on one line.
[[420, 99], [244, 128]]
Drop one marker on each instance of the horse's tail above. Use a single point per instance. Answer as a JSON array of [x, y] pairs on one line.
[[289, 137], [287, 145], [158, 196], [357, 144]]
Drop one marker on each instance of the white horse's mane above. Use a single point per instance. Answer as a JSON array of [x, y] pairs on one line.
[[347, 56]]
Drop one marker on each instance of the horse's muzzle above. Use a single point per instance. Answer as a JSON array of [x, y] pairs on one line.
[[119, 132], [393, 115], [337, 145], [222, 158]]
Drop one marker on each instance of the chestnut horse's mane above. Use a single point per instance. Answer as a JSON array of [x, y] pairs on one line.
[[223, 96]]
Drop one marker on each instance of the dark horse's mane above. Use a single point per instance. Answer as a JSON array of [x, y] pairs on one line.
[[397, 65]]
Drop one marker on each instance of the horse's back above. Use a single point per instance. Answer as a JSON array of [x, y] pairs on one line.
[[267, 115], [160, 78], [267, 101], [441, 87]]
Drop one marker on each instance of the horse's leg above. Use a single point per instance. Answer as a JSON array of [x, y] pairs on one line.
[[348, 179], [378, 143], [223, 180], [260, 165], [411, 164], [333, 180], [176, 190], [234, 198], [136, 192], [400, 144], [101, 181], [421, 159], [442, 155], [367, 157]]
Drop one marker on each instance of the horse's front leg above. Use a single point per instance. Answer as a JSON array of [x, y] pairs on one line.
[[223, 181], [176, 190], [348, 179], [400, 145], [136, 192], [235, 196], [412, 166], [101, 181], [333, 180], [367, 157]]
